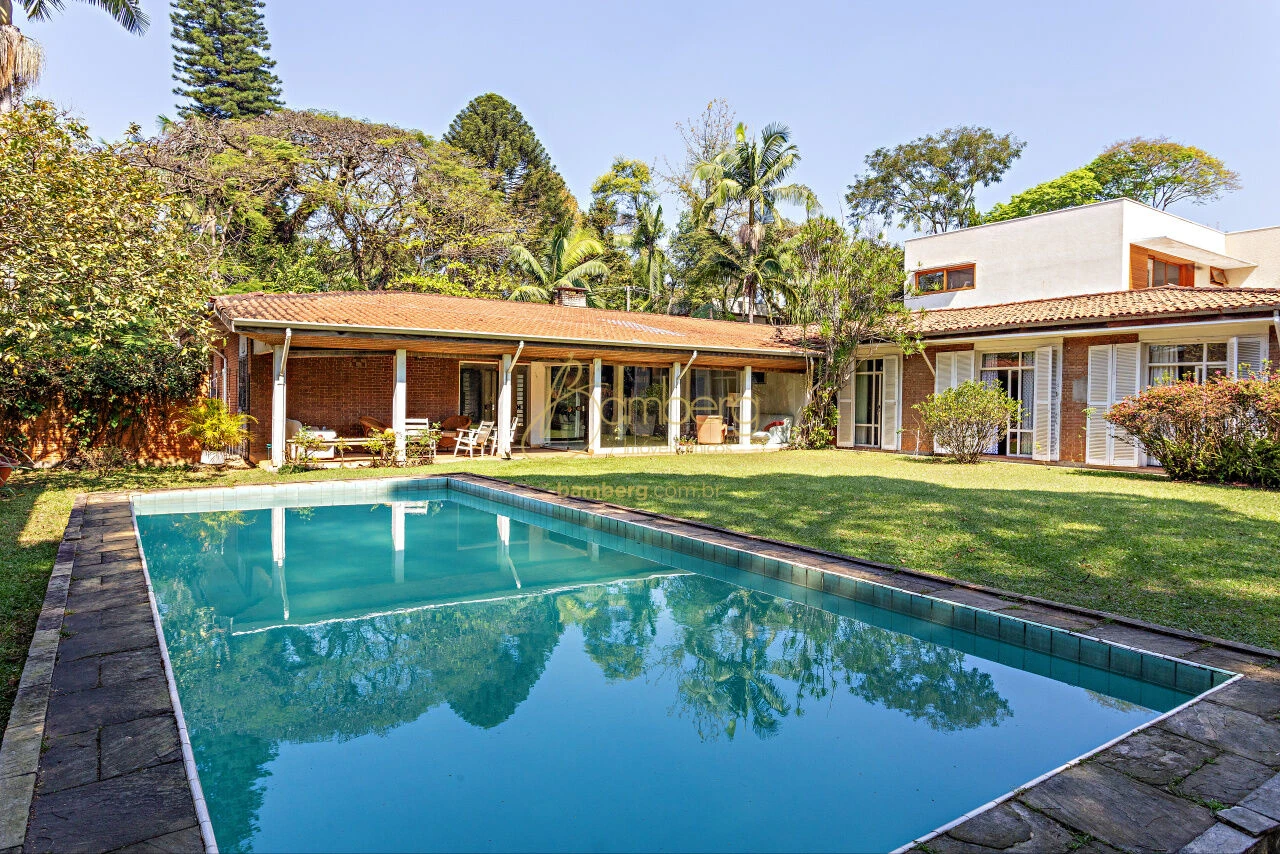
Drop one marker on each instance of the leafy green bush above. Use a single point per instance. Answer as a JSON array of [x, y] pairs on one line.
[[213, 425], [965, 420], [1222, 431]]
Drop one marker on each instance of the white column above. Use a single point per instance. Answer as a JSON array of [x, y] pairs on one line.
[[397, 540], [621, 417], [278, 409], [594, 410], [536, 415], [673, 407], [504, 407], [400, 402], [745, 411]]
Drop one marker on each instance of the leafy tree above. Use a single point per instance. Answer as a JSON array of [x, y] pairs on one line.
[[849, 295], [1078, 187], [1161, 172], [752, 172], [494, 132], [104, 305], [929, 183], [300, 200], [21, 58], [569, 259], [220, 59]]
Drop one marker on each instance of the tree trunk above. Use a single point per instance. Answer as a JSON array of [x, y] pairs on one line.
[[749, 284]]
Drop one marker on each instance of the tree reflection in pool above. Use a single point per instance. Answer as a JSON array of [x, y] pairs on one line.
[[434, 675]]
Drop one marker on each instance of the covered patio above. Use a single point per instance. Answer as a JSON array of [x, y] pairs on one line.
[[544, 376]]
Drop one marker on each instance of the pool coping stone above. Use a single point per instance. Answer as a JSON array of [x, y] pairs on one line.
[[99, 575]]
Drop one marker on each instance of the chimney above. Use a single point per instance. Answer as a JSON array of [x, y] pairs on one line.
[[569, 295]]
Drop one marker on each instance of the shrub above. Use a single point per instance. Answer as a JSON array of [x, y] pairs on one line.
[[420, 448], [214, 426], [1222, 431], [965, 420]]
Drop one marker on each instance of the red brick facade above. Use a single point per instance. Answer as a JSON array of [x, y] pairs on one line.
[[334, 392]]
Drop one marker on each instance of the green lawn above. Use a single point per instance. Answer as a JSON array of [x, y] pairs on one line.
[[1202, 558]]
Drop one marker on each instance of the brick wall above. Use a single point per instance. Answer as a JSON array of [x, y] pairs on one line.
[[1075, 366], [335, 391], [917, 384]]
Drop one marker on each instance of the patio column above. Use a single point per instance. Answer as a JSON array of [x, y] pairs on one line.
[[400, 402], [745, 410], [621, 414], [594, 409], [504, 408], [673, 408], [279, 355]]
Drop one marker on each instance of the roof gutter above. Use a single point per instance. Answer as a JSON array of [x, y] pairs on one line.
[[1079, 331], [238, 323]]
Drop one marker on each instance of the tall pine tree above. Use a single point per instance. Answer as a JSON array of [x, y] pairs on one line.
[[220, 59]]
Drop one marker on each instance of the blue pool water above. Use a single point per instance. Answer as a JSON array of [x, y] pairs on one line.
[[441, 672]]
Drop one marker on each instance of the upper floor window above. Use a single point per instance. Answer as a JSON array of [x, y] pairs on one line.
[[1164, 273], [945, 279]]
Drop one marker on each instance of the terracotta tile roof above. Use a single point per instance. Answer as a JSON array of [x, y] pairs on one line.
[[424, 314], [1100, 308]]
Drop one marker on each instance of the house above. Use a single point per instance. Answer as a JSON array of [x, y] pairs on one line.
[[566, 376], [1070, 311]]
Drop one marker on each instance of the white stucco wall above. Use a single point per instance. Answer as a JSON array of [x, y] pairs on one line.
[[1082, 250], [1260, 246], [1074, 251]]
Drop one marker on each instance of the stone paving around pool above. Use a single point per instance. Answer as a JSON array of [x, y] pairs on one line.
[[93, 756]]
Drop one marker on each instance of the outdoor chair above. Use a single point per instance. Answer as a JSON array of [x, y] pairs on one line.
[[452, 424], [711, 429], [493, 437], [372, 425], [473, 440]]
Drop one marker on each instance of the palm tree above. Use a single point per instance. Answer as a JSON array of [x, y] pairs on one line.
[[650, 268], [21, 58], [751, 172], [746, 271], [569, 259]]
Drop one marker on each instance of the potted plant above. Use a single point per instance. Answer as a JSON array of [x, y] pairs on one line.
[[211, 424]]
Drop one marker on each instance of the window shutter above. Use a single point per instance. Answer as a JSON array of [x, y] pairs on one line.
[[844, 414], [889, 398], [944, 366], [1042, 405], [1127, 362], [1097, 444], [1246, 355], [964, 368], [1055, 407]]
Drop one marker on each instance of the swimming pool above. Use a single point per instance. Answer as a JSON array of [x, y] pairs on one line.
[[436, 665]]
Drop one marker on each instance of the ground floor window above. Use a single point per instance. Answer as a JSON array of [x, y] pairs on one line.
[[1171, 363], [569, 396], [1015, 373], [868, 397]]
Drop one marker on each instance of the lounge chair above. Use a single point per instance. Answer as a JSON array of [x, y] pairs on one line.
[[473, 440], [372, 425], [452, 424]]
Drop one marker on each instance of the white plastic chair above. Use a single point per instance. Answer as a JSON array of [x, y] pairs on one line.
[[474, 440]]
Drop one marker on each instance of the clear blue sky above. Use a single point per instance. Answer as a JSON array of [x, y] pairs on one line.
[[601, 79]]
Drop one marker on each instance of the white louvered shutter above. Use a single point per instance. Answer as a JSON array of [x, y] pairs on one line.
[[844, 413], [1246, 355], [1126, 364], [889, 397], [964, 368], [1042, 405], [1097, 445], [1055, 407], [944, 367]]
